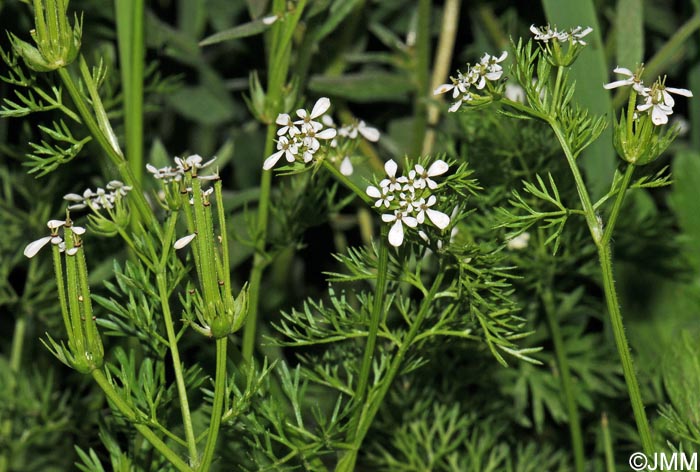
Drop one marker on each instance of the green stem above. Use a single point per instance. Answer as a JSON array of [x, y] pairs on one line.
[[605, 258], [130, 31], [136, 196], [347, 182], [145, 431], [607, 444], [564, 376], [375, 318], [618, 204], [172, 343], [623, 349], [369, 411], [422, 76], [259, 259], [589, 213], [278, 65], [217, 405]]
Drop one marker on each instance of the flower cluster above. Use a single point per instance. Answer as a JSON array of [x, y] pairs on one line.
[[195, 162], [547, 33], [562, 47], [488, 69], [98, 199], [299, 140], [54, 226], [409, 198], [658, 101]]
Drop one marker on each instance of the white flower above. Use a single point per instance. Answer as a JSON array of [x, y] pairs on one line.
[[489, 69], [368, 132], [34, 247], [438, 167], [384, 198], [184, 241], [438, 218], [545, 33], [576, 34], [290, 149], [287, 125], [396, 232], [659, 102], [307, 119], [391, 182], [632, 79], [519, 242], [99, 198]]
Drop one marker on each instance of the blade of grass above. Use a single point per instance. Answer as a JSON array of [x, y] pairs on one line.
[[629, 33], [590, 73]]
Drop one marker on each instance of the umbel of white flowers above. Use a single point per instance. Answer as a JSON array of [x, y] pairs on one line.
[[658, 101], [409, 198], [305, 139], [488, 69]]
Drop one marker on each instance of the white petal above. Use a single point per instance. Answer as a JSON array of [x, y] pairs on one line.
[[617, 83], [73, 197], [283, 119], [396, 234], [53, 224], [410, 221], [150, 168], [373, 192], [503, 55], [268, 20], [322, 105], [455, 106], [658, 116], [438, 167], [623, 71], [390, 167], [184, 241], [678, 91], [272, 160], [328, 133], [370, 134], [72, 251], [35, 246], [387, 218], [438, 218], [346, 166], [79, 230], [443, 88]]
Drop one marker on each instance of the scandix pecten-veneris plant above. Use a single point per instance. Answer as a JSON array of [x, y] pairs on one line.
[[431, 280]]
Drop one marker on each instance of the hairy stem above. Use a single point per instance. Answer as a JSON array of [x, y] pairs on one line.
[[605, 259]]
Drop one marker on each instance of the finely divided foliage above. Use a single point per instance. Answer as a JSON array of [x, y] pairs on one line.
[[319, 283]]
